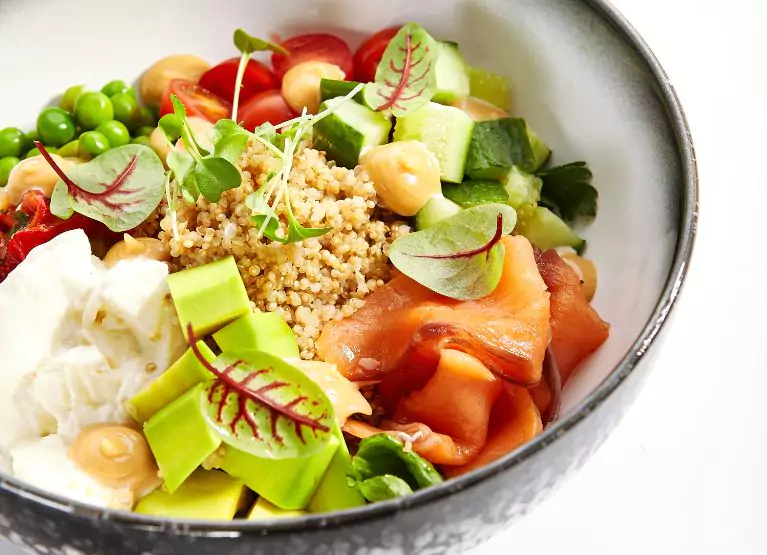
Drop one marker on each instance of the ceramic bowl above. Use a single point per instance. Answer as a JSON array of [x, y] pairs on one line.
[[589, 85]]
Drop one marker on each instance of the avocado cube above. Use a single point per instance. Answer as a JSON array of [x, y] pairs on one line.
[[263, 510], [209, 296], [261, 331], [445, 130], [206, 494], [183, 375], [181, 438], [287, 483], [334, 492]]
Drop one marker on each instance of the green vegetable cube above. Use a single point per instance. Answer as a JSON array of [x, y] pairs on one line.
[[262, 331]]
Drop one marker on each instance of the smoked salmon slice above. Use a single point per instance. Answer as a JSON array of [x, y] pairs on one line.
[[397, 336], [576, 328]]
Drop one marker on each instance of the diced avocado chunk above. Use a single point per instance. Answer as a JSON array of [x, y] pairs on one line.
[[206, 494], [547, 231], [436, 208], [474, 193], [541, 151], [334, 492], [352, 127], [261, 331], [180, 438], [450, 73], [330, 88], [496, 146], [209, 296], [490, 87], [446, 130], [183, 374], [288, 483], [263, 510]]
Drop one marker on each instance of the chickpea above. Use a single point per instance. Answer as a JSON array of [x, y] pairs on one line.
[[585, 270], [131, 247], [479, 110], [301, 84], [156, 79], [33, 173], [199, 126], [405, 174]]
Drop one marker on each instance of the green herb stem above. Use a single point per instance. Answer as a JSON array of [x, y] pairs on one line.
[[244, 59]]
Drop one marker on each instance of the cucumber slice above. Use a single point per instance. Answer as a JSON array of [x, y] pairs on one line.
[[330, 88], [541, 151], [446, 130], [352, 127], [547, 231], [436, 208], [496, 146], [451, 74], [522, 188], [490, 87], [474, 193]]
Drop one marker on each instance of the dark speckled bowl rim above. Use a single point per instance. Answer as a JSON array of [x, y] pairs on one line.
[[684, 248]]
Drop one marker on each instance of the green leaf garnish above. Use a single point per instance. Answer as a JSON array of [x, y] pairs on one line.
[[119, 188], [460, 257], [262, 405], [568, 192], [213, 176], [383, 469], [405, 78], [247, 44]]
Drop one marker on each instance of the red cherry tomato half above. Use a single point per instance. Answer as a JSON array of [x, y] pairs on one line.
[[369, 54], [220, 79], [198, 101], [316, 47], [267, 106]]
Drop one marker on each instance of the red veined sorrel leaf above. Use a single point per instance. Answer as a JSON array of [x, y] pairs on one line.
[[264, 406], [484, 249], [405, 79], [119, 188]]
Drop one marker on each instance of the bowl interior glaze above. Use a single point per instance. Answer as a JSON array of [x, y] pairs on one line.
[[578, 83]]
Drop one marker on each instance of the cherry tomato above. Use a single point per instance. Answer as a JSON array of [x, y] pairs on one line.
[[266, 106], [197, 100], [221, 78], [369, 54], [315, 47]]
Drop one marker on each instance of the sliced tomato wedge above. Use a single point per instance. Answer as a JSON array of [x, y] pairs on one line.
[[369, 54], [266, 106], [314, 47], [198, 101], [220, 79]]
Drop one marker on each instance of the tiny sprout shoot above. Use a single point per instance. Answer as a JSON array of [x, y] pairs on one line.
[[247, 45]]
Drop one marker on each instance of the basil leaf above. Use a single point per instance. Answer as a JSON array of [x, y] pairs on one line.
[[119, 188], [262, 405], [458, 257], [214, 176], [381, 488], [405, 78], [247, 44], [382, 455]]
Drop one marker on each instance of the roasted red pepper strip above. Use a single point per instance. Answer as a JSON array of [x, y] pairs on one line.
[[35, 225]]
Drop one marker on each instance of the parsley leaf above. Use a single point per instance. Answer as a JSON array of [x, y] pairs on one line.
[[568, 192]]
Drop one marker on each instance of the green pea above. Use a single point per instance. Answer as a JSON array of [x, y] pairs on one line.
[[6, 165], [69, 97], [126, 109], [144, 131], [142, 140], [118, 86], [92, 109], [147, 118], [11, 142], [29, 140], [115, 132], [36, 152], [55, 127], [70, 150], [93, 143]]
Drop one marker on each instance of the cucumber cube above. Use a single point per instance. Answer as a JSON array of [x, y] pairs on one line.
[[451, 74]]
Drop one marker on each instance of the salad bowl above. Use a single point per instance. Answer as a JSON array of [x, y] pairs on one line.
[[583, 78]]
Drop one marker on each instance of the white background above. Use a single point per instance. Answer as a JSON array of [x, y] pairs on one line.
[[686, 471]]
